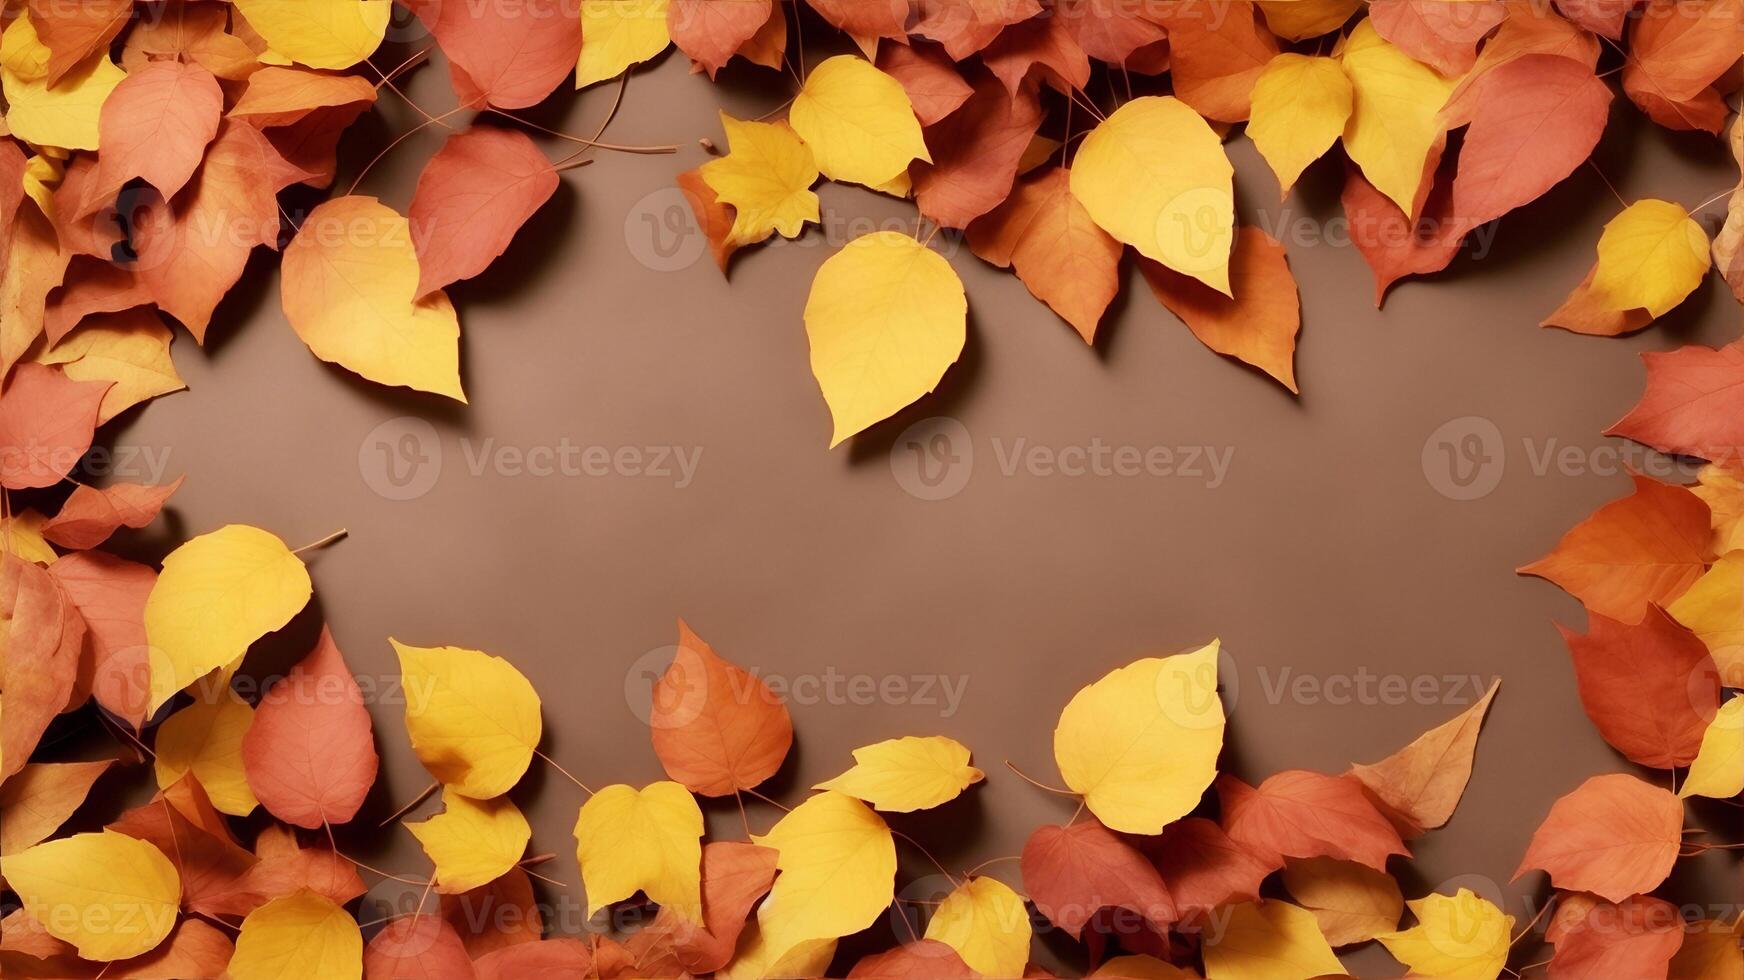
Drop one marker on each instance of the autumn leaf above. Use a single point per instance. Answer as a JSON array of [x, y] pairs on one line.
[[1419, 786], [1651, 257], [1204, 868], [1710, 951], [218, 593], [1585, 312], [90, 515], [1303, 814], [1677, 53], [924, 959], [1298, 20], [471, 199], [616, 34], [125, 890], [65, 114], [1269, 941], [1718, 769], [472, 842], [1141, 744], [1461, 936], [987, 924], [205, 738], [930, 78], [1042, 49], [1443, 34], [716, 727], [1351, 903], [735, 875], [557, 957], [1154, 176], [218, 877], [310, 754], [1656, 716], [858, 122], [1689, 406], [838, 866], [712, 31], [512, 916], [766, 179], [36, 800], [976, 151], [73, 30], [44, 636], [155, 125], [417, 946], [319, 33], [130, 349], [1635, 938], [886, 317], [507, 55], [901, 775], [1259, 325], [1215, 60], [1072, 872], [1643, 549], [110, 595], [1614, 836], [1062, 256], [46, 423], [350, 284], [1394, 125], [646, 840], [757, 958], [300, 935], [1300, 106], [473, 718]]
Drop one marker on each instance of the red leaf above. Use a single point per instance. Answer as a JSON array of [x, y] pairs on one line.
[[925, 959], [1304, 814], [155, 125], [716, 727], [1204, 868], [1599, 16], [283, 867], [1614, 836], [1693, 405], [1642, 550], [310, 753], [73, 30], [1073, 872], [495, 915], [932, 82], [1651, 689], [92, 286], [472, 197], [1109, 30], [975, 153], [110, 595], [966, 26], [417, 947], [1584, 312], [550, 959], [1040, 46], [734, 876], [1390, 243], [1535, 120], [1259, 325], [41, 663], [712, 31], [1636, 938], [303, 113], [509, 55], [90, 515], [1443, 34], [861, 19], [46, 423]]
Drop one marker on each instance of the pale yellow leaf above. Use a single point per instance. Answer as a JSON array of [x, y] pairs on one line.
[[472, 842], [987, 924], [1458, 937], [616, 34], [1395, 118], [858, 122], [901, 775], [1300, 107], [205, 738]]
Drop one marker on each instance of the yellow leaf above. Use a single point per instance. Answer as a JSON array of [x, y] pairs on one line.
[[1270, 941], [886, 317], [302, 935], [1458, 937], [136, 357], [1154, 175], [22, 52], [110, 895], [205, 738], [1141, 744], [837, 863], [217, 594], [1395, 118], [1300, 106], [1718, 771], [21, 535], [1710, 951], [1298, 20], [901, 775], [319, 33], [66, 114], [858, 122], [1142, 968], [42, 177], [616, 34], [1723, 492], [349, 285], [1711, 609], [1352, 903], [766, 177], [1651, 257], [647, 840], [754, 959], [473, 718], [987, 924], [472, 842]]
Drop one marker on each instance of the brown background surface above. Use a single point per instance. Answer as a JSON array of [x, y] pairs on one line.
[[1326, 553]]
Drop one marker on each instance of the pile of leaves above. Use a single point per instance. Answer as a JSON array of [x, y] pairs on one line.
[[153, 147]]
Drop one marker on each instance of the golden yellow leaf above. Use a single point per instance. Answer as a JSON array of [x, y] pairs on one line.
[[858, 122], [1710, 951], [901, 775], [647, 840], [21, 535], [1154, 175], [1300, 107], [1651, 257], [886, 317], [616, 34], [987, 924], [319, 33], [349, 285], [110, 895], [217, 594], [1711, 609], [754, 959], [1718, 771], [1395, 118], [205, 738], [1142, 968], [42, 177], [64, 115], [1723, 492], [1298, 20], [1270, 941], [22, 52], [766, 176], [1141, 744], [1352, 903], [1457, 937], [302, 935], [37, 799], [136, 357], [472, 842], [473, 718], [838, 872]]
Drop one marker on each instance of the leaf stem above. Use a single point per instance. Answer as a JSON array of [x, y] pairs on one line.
[[329, 539], [1037, 783], [553, 764]]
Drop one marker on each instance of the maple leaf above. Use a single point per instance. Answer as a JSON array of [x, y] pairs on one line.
[[1205, 869], [765, 178], [1691, 405], [964, 27], [1041, 47], [471, 199], [1614, 836]]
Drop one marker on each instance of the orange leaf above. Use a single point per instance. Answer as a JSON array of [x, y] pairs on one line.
[[712, 31], [1259, 325], [90, 515], [495, 915], [934, 86], [1065, 259], [1636, 938], [1643, 549], [1443, 34], [734, 876], [73, 30], [109, 594], [155, 125], [1215, 61], [40, 797], [715, 218], [1614, 836], [1584, 311], [46, 423], [1205, 869], [1651, 689], [310, 753], [41, 662], [1392, 244], [509, 55], [924, 959], [1073, 872], [1304, 814], [1039, 46], [474, 194], [975, 153], [717, 728], [1693, 405], [556, 959], [422, 946], [1419, 786]]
